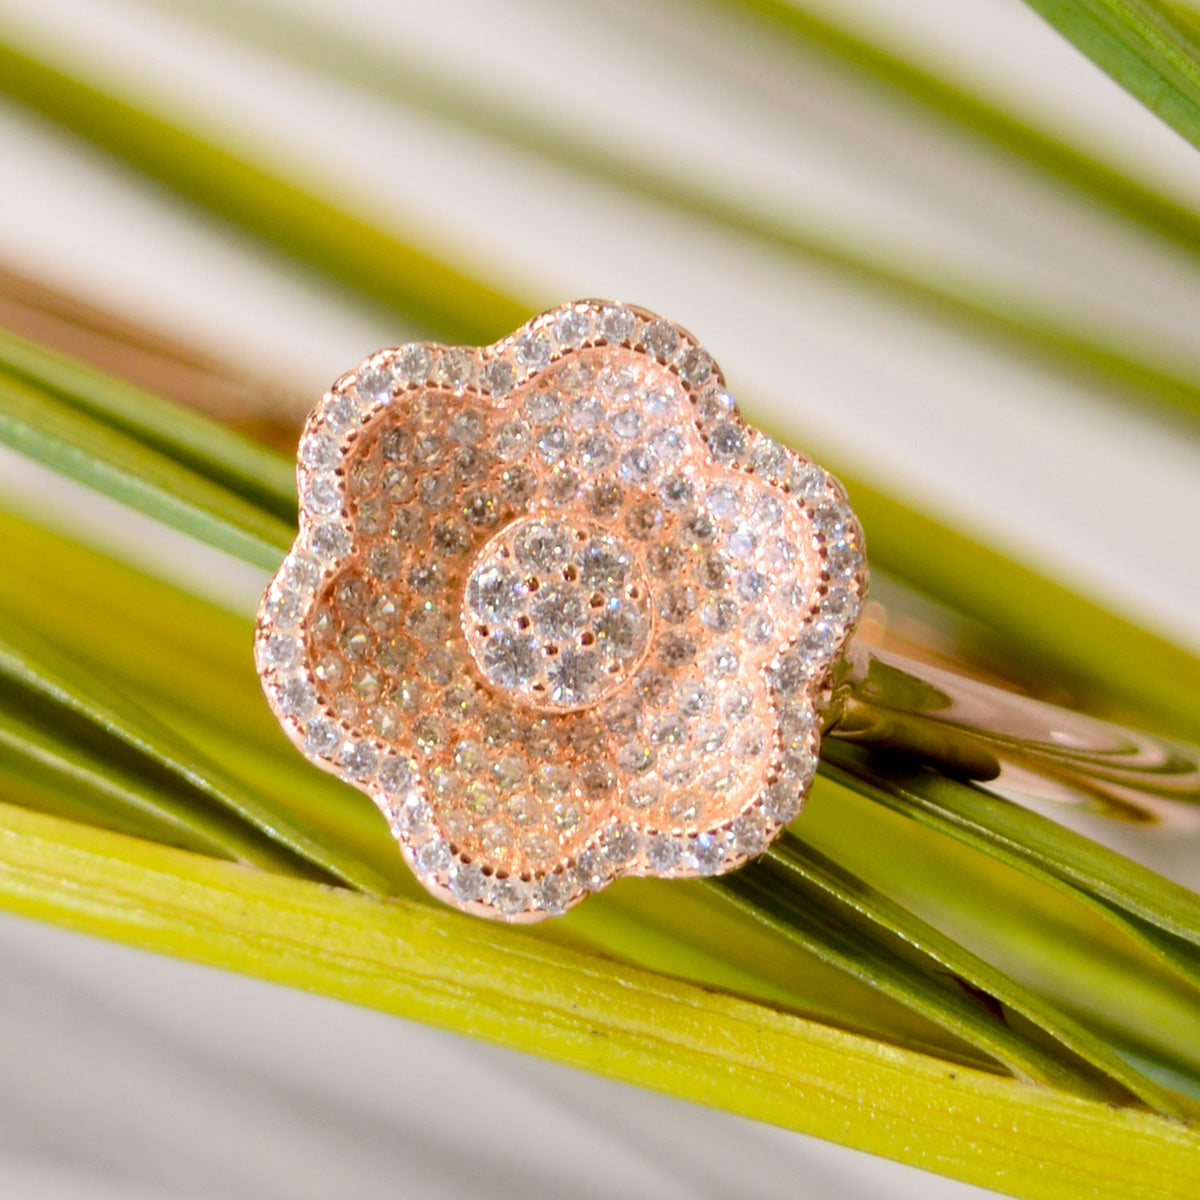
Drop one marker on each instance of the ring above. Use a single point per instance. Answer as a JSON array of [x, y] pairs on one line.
[[562, 614]]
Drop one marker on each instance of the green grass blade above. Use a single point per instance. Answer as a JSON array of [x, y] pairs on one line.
[[80, 782], [1165, 377], [497, 984], [109, 461], [409, 283], [321, 47], [977, 118], [814, 877], [244, 467], [29, 663], [1123, 890], [1152, 52], [856, 948]]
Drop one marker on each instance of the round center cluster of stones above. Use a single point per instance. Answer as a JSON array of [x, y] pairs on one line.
[[556, 612]]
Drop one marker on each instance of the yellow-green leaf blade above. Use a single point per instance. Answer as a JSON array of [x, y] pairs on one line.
[[446, 969]]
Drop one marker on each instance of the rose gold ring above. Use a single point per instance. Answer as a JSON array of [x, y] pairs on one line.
[[561, 613]]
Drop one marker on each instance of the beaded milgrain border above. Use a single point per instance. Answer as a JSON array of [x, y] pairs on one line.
[[798, 676]]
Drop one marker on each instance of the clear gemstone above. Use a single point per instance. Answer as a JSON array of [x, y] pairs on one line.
[[758, 628], [540, 407], [500, 376], [620, 631], [567, 816], [495, 593], [395, 445], [410, 816], [329, 542], [512, 440], [374, 382], [719, 613], [456, 369], [510, 772], [284, 606], [339, 413], [321, 496], [637, 465], [751, 585], [552, 782], [677, 603], [559, 612], [414, 364], [660, 338], [467, 882], [695, 698], [470, 757], [320, 450], [635, 757], [533, 348], [511, 659], [642, 793], [572, 328], [554, 443], [616, 324], [723, 660], [707, 852], [663, 853], [495, 837], [768, 457], [603, 565], [321, 738], [433, 856], [395, 775], [359, 760], [603, 498], [742, 542], [301, 571], [574, 677], [281, 651], [667, 446], [695, 366], [644, 520], [518, 484], [296, 698], [676, 492], [553, 894], [840, 605], [715, 406], [621, 844], [562, 486], [781, 802], [623, 716], [585, 412], [627, 423], [727, 442], [738, 705], [543, 545], [844, 562], [807, 481], [512, 896], [596, 451], [750, 835]]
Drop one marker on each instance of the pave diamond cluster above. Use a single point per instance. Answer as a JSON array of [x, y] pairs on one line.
[[558, 610]]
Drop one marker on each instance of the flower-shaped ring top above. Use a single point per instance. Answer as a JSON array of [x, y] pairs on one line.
[[558, 610]]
